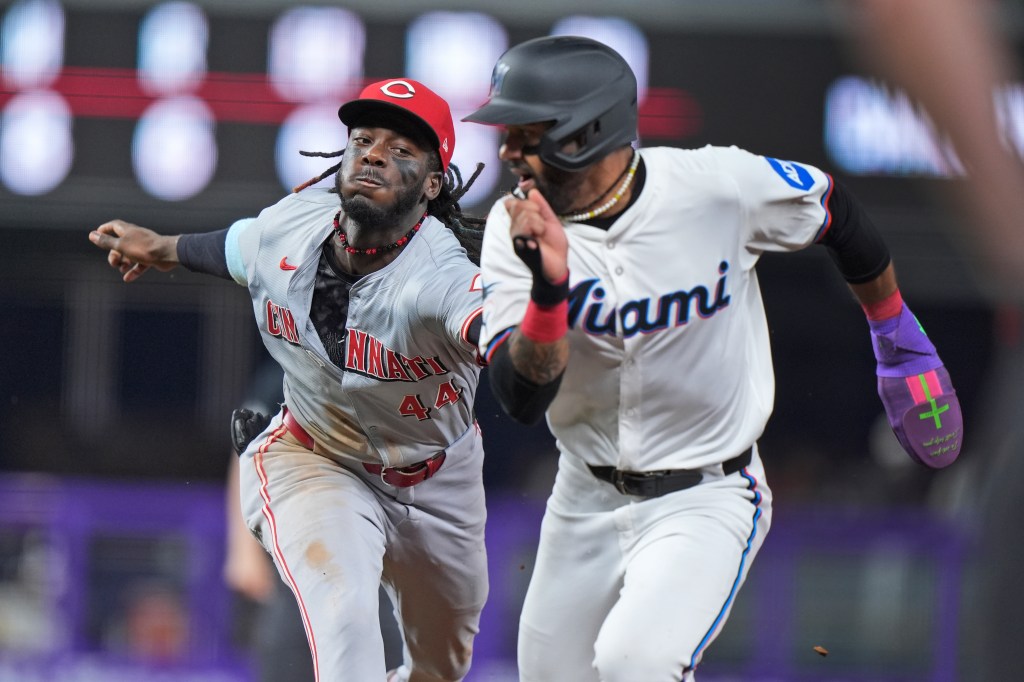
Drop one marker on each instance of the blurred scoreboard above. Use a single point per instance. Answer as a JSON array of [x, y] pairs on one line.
[[176, 115], [172, 112]]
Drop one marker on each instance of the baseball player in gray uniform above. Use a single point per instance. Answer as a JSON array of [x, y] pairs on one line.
[[621, 300], [372, 470]]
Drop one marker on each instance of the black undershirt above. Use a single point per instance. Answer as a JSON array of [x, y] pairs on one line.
[[204, 252], [329, 308], [853, 242]]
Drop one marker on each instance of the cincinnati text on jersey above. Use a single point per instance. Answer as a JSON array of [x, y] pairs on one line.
[[364, 353], [636, 316], [281, 323]]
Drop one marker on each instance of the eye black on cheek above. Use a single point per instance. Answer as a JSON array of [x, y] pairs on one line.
[[408, 169]]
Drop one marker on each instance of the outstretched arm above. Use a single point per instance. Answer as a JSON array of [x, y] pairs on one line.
[[133, 249]]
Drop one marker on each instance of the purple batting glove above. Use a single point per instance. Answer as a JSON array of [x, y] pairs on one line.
[[916, 391]]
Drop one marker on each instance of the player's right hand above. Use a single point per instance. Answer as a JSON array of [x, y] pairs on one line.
[[132, 249], [535, 227]]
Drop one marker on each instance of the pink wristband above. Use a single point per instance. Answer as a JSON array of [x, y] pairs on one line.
[[888, 307], [545, 324]]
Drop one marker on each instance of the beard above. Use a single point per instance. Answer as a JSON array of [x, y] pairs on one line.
[[366, 213], [561, 188]]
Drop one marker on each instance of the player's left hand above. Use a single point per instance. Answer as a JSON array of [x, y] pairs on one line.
[[917, 393], [246, 425]]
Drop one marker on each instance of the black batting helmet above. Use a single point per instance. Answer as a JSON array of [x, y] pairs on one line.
[[584, 86]]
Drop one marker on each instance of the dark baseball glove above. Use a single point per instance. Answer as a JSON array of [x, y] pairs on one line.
[[246, 425]]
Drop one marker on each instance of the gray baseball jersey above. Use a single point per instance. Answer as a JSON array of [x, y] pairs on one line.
[[406, 392], [410, 374]]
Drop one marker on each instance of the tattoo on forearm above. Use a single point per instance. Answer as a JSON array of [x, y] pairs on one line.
[[541, 363]]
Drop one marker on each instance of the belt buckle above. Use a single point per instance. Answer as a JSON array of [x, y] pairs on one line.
[[619, 481]]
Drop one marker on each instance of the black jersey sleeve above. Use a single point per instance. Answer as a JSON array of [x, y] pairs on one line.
[[853, 242], [523, 400], [205, 252]]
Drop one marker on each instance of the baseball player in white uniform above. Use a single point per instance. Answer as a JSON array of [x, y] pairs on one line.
[[372, 470], [621, 300]]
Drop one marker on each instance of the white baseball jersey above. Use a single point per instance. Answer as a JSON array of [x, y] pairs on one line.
[[410, 374], [670, 364]]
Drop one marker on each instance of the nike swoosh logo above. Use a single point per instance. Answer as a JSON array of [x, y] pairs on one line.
[[285, 265]]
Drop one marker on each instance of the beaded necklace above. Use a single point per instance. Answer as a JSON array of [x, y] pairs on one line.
[[374, 250], [603, 208]]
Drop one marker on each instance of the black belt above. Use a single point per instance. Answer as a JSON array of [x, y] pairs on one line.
[[656, 483]]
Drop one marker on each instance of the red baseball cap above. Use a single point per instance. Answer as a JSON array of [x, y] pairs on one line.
[[412, 97]]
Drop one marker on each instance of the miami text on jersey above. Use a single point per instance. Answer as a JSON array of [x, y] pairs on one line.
[[635, 317], [367, 355]]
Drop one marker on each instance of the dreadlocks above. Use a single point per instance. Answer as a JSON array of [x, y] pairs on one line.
[[445, 207]]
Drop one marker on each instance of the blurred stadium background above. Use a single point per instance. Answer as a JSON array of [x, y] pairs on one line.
[[183, 116]]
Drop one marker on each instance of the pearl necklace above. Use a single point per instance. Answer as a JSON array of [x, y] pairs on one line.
[[373, 250], [603, 208]]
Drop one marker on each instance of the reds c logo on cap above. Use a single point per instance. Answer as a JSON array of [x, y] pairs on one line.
[[389, 89], [414, 98]]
